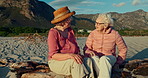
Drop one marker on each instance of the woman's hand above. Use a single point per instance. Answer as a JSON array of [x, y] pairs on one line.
[[78, 59], [90, 53]]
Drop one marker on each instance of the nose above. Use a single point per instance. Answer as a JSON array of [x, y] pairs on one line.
[[96, 26]]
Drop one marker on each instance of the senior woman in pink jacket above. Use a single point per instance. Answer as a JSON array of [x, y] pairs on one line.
[[64, 55], [101, 46]]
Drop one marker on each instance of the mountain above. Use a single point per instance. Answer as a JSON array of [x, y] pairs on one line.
[[38, 14], [130, 20], [31, 13]]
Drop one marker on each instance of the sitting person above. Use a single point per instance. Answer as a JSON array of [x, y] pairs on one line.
[[101, 46], [64, 55]]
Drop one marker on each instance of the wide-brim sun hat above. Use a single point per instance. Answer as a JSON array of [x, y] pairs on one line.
[[61, 14]]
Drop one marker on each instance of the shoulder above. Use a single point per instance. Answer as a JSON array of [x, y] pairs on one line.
[[114, 31], [117, 34], [53, 31], [70, 30], [93, 32]]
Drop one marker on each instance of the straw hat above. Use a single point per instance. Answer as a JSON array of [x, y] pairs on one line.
[[61, 14]]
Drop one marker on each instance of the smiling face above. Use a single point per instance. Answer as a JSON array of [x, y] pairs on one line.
[[103, 22], [64, 24], [100, 24], [67, 23]]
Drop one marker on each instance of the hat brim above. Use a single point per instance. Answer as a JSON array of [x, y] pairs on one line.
[[54, 21]]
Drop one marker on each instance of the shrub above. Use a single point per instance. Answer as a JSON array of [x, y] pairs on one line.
[[3, 33]]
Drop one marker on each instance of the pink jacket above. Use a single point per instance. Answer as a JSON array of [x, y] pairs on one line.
[[58, 44], [105, 44]]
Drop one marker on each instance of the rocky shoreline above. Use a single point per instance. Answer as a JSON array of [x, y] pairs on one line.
[[30, 69]]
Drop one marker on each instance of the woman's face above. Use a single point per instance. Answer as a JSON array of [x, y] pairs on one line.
[[67, 22], [100, 26]]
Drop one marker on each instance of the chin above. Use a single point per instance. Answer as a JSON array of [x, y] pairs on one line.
[[98, 29], [66, 27]]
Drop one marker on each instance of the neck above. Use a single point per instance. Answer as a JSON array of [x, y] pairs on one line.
[[103, 30], [61, 28]]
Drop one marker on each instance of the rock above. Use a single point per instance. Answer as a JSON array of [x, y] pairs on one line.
[[43, 75], [3, 62], [134, 61], [36, 75], [137, 68], [126, 75], [30, 66], [131, 66], [31, 69], [141, 70]]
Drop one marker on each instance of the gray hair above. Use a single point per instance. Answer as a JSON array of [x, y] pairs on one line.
[[106, 18]]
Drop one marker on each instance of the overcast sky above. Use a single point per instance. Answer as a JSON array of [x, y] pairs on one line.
[[99, 6]]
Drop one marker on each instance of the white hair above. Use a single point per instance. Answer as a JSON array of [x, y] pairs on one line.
[[106, 18]]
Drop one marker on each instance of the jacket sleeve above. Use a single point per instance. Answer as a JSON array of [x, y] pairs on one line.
[[88, 46], [122, 49], [74, 40], [52, 43]]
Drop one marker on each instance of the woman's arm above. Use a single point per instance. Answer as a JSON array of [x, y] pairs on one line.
[[65, 56], [88, 46], [53, 45], [122, 48]]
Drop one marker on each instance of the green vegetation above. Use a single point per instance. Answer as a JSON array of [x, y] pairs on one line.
[[21, 31], [25, 31], [123, 32], [80, 34], [131, 32]]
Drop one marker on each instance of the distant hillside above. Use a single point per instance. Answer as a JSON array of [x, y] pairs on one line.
[[30, 13], [130, 20], [38, 14]]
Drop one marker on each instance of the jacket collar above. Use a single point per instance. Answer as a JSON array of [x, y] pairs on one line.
[[108, 30]]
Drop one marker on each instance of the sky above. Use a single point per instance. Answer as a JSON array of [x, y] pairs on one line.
[[99, 6]]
